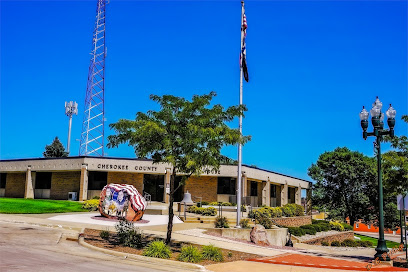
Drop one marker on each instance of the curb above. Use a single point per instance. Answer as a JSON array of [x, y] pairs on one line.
[[144, 259]]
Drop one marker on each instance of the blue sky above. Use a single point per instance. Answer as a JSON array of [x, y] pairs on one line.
[[312, 66]]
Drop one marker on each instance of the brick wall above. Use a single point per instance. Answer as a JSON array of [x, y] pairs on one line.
[[135, 179], [293, 221], [341, 236], [15, 184], [205, 187], [64, 182]]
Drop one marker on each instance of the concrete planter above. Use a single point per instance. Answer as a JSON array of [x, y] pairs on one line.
[[276, 236]]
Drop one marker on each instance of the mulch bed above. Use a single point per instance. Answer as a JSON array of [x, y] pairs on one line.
[[92, 237]]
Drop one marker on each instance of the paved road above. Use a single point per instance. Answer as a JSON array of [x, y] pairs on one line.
[[30, 248]]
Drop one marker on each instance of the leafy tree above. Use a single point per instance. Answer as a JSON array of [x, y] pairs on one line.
[[186, 134], [345, 183], [55, 150], [395, 170]]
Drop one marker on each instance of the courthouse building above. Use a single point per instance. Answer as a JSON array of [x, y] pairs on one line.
[[81, 178]]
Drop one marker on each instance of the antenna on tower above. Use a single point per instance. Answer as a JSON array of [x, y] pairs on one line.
[[71, 108], [92, 136]]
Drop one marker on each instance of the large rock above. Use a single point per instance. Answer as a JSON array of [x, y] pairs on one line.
[[258, 235], [122, 201]]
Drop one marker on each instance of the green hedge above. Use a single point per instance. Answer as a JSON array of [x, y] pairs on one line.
[[210, 211]]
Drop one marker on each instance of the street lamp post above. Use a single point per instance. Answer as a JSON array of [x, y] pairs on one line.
[[377, 120]]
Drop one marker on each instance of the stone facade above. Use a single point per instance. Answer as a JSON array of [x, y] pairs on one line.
[[341, 236], [203, 186], [15, 184], [296, 221], [135, 179], [64, 182]]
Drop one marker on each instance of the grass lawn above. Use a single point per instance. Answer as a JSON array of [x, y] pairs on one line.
[[390, 244], [20, 205]]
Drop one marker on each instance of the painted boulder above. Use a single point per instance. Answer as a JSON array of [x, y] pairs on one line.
[[122, 201]]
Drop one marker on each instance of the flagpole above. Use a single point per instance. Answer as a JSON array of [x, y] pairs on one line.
[[239, 183]]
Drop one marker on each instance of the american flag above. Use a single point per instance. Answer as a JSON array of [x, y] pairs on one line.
[[242, 55], [137, 201]]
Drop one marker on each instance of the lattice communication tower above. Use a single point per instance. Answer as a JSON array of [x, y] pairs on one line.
[[92, 136]]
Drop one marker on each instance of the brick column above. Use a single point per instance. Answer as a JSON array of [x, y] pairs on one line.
[[309, 201], [29, 186], [284, 193], [298, 195], [83, 184], [266, 193], [167, 176]]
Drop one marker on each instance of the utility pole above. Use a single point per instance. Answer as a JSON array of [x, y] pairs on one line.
[[71, 108]]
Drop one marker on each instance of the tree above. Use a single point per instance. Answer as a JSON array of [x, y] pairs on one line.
[[55, 150], [345, 183], [186, 134]]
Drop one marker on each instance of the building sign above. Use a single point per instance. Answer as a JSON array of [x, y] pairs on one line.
[[126, 167]]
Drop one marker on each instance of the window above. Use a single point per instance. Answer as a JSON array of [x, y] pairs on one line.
[[226, 186], [357, 225], [273, 190], [254, 188], [97, 180], [3, 177], [369, 226], [43, 180]]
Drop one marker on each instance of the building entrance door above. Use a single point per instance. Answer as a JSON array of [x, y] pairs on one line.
[[154, 185]]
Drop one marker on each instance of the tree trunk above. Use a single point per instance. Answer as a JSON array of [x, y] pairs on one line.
[[171, 213]]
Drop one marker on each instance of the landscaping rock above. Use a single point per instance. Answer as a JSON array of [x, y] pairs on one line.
[[258, 236]]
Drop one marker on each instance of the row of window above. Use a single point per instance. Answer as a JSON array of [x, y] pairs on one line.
[[154, 184]]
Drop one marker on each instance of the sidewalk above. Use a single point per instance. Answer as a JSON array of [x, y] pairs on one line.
[[301, 258]]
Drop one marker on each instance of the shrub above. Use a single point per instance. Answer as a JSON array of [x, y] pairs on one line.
[[323, 226], [296, 231], [309, 229], [244, 223], [212, 253], [129, 235], [243, 208], [278, 212], [288, 210], [91, 205], [335, 244], [190, 254], [361, 243], [96, 197], [221, 222], [349, 243], [104, 234], [210, 211], [229, 254], [251, 214], [204, 202], [347, 226], [336, 226], [324, 243], [157, 249], [214, 203], [266, 222], [317, 227]]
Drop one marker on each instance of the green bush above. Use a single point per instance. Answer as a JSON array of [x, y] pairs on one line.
[[243, 208], [347, 226], [104, 234], [212, 253], [335, 244], [323, 226], [251, 214], [210, 211], [278, 212], [309, 229], [221, 222], [157, 249], [266, 222], [96, 197], [204, 202], [324, 243], [317, 227], [361, 243], [129, 235], [244, 223], [348, 243], [91, 205], [288, 210], [214, 203], [190, 254], [336, 226], [296, 231]]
